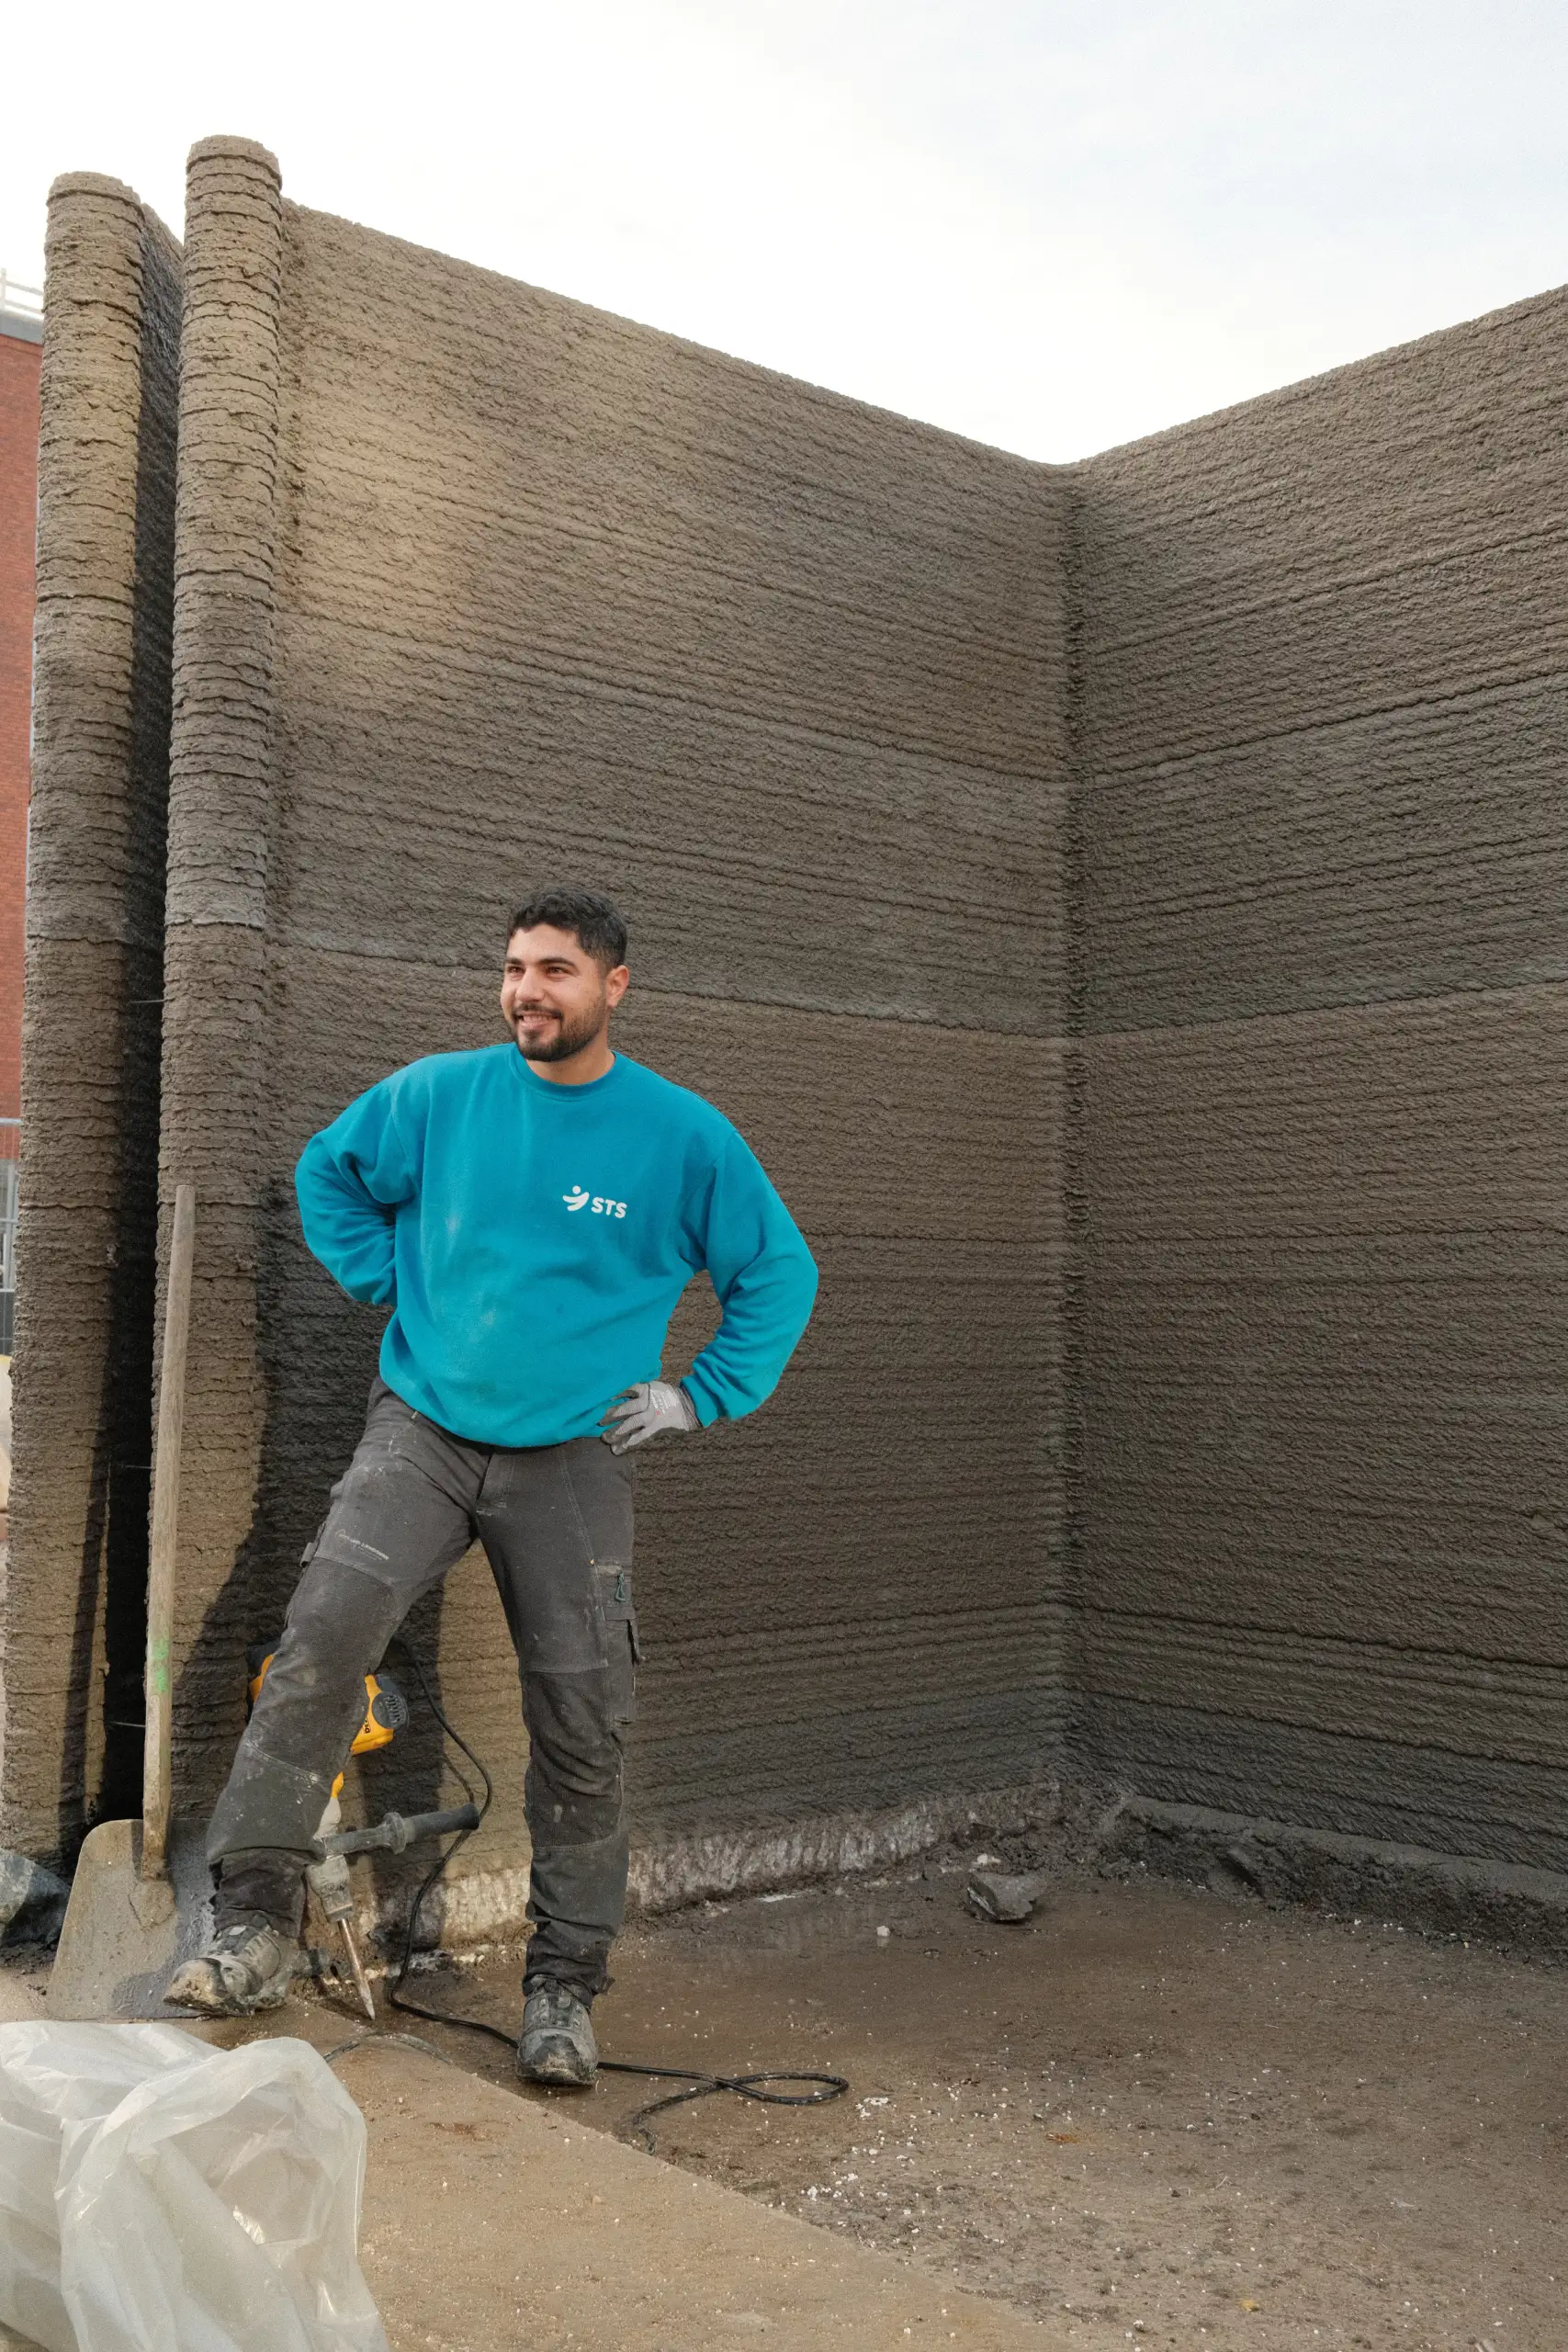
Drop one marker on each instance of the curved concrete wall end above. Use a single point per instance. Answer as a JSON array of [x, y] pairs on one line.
[[74, 1597]]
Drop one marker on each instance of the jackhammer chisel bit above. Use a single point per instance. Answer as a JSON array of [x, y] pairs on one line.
[[329, 1882]]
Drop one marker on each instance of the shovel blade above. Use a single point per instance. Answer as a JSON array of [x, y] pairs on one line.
[[124, 1937]]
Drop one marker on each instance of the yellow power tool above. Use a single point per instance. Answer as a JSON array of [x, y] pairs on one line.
[[385, 1709]]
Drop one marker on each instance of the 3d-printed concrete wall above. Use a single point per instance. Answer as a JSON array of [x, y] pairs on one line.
[[1322, 838], [75, 1618], [476, 588]]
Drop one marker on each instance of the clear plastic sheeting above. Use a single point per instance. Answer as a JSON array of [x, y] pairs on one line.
[[160, 2196]]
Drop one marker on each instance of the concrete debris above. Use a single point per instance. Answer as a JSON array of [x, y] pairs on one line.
[[32, 1900], [1008, 1900]]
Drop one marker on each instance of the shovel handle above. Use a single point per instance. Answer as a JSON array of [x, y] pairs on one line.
[[153, 1860]]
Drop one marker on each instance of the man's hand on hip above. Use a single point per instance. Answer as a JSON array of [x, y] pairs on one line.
[[653, 1409]]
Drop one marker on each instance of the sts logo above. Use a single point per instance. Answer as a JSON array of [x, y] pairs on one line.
[[578, 1198]]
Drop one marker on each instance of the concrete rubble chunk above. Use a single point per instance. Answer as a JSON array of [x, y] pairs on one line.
[[32, 1899], [1008, 1899]]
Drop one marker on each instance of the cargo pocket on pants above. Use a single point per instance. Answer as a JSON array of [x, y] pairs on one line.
[[623, 1651]]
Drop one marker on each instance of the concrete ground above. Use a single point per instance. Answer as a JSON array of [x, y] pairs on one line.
[[495, 2221], [1152, 2115], [494, 2218]]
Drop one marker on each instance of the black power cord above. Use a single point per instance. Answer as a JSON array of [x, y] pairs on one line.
[[699, 2084]]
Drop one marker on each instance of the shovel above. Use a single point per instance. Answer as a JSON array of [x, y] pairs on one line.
[[129, 1921]]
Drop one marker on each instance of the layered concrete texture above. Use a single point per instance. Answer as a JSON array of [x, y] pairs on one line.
[[465, 587], [1321, 1562], [73, 1594], [20, 335], [477, 588]]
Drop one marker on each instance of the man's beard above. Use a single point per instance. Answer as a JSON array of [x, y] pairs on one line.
[[566, 1038]]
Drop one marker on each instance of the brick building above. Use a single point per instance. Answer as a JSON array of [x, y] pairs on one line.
[[21, 338]]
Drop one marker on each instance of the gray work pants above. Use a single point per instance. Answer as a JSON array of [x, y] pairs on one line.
[[556, 1523]]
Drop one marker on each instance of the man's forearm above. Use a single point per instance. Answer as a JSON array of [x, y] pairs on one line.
[[766, 1309], [352, 1235]]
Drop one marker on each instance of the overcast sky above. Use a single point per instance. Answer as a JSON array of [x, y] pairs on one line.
[[1053, 224]]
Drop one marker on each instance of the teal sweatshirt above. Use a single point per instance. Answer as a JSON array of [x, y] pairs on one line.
[[534, 1238]]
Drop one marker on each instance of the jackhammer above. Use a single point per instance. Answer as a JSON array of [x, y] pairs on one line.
[[386, 1714]]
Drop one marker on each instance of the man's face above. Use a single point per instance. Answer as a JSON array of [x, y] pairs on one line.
[[554, 995]]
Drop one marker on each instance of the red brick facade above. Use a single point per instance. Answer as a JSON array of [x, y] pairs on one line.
[[19, 357]]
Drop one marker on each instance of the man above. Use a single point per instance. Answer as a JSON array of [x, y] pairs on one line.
[[531, 1212]]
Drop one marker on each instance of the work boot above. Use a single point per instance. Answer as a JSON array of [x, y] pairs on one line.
[[556, 2044], [249, 1965]]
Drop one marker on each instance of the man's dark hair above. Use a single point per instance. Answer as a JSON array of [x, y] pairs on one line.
[[596, 920]]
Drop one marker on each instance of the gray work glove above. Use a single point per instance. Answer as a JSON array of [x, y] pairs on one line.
[[653, 1409]]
